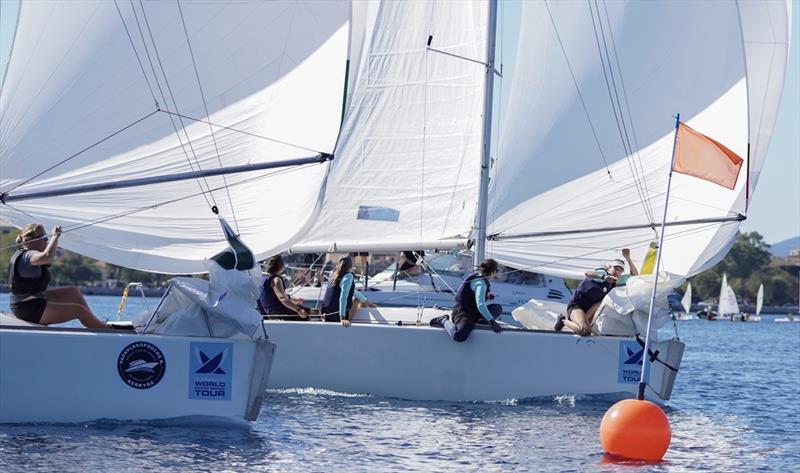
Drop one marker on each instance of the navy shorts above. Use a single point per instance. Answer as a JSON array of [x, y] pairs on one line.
[[30, 310]]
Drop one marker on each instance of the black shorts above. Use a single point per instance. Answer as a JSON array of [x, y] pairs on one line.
[[30, 310]]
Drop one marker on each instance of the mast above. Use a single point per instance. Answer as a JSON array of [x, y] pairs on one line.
[[486, 158]]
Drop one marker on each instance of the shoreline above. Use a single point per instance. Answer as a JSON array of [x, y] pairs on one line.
[[107, 291]]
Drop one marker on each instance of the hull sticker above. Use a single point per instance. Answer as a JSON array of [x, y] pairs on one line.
[[210, 371], [141, 365], [630, 362]]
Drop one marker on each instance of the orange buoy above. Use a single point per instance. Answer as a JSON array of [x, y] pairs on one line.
[[637, 430]]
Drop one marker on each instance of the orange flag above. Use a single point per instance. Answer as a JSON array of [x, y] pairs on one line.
[[700, 156]]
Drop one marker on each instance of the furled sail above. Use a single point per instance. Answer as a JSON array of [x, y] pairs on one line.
[[587, 139], [100, 91], [406, 167]]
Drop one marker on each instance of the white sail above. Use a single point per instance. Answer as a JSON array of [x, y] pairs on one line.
[[686, 301], [760, 299], [572, 163], [78, 106], [406, 167], [727, 299]]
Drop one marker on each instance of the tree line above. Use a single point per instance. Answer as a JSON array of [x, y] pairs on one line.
[[748, 265]]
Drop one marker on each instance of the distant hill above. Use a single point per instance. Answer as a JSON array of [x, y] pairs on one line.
[[782, 247]]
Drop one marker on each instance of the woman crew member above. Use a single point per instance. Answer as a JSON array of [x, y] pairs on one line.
[[274, 300], [470, 303], [590, 293], [341, 293], [29, 276]]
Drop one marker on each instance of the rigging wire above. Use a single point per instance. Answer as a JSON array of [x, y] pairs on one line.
[[80, 152], [136, 53], [205, 108], [125, 213], [163, 97], [577, 89], [635, 244], [172, 96], [244, 132], [627, 103], [621, 128]]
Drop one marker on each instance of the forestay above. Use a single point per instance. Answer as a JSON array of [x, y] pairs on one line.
[[406, 167], [104, 82], [587, 139]]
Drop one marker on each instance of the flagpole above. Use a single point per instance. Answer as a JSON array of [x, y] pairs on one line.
[[646, 354]]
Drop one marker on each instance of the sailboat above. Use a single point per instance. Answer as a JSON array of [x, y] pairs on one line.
[[759, 305], [137, 126], [686, 303], [728, 307], [206, 91], [414, 174]]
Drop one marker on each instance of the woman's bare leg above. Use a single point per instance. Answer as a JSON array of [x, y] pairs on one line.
[[578, 322], [59, 312], [67, 294], [592, 310]]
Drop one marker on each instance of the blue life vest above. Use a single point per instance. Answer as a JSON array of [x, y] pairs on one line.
[[269, 303], [465, 296], [330, 303], [589, 292], [20, 285]]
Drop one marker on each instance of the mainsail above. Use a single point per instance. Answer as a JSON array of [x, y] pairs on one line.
[[586, 143], [98, 91], [406, 167]]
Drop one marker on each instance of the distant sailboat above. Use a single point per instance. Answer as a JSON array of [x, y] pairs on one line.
[[759, 304], [728, 307], [686, 303]]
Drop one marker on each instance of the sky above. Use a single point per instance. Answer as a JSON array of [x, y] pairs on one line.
[[775, 207]]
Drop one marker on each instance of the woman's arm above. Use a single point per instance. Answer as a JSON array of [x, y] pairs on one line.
[[46, 256], [479, 288], [277, 286], [626, 253], [344, 284]]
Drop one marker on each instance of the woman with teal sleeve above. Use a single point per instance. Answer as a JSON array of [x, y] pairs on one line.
[[337, 304], [470, 303]]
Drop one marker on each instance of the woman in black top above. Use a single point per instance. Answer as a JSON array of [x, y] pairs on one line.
[[29, 277], [274, 300]]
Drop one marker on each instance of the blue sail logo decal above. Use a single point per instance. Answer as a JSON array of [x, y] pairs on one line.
[[210, 371], [629, 367]]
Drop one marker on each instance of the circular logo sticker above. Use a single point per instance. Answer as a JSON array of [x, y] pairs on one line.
[[141, 365]]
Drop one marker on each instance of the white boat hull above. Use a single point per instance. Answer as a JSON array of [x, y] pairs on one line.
[[422, 363], [76, 375], [417, 291]]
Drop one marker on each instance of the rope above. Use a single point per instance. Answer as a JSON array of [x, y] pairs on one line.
[[80, 152], [621, 129], [634, 244], [136, 53], [163, 97], [125, 213], [244, 132], [175, 103], [627, 102], [205, 108], [577, 89]]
